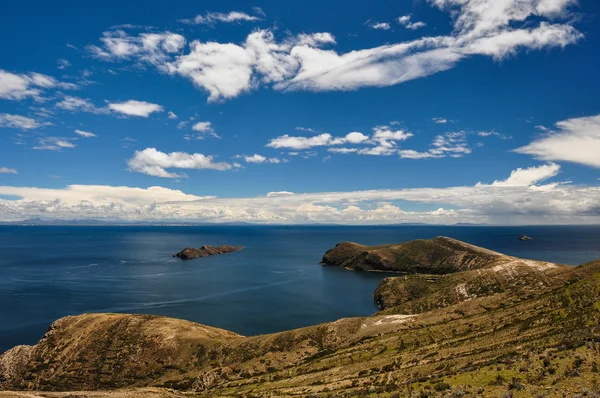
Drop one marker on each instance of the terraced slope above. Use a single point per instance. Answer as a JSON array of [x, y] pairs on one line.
[[527, 341]]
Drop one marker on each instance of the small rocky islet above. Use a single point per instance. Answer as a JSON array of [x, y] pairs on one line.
[[456, 320], [191, 253]]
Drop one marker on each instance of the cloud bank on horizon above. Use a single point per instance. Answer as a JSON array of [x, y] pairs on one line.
[[72, 114]]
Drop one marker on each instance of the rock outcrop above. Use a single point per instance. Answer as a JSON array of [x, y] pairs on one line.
[[190, 253]]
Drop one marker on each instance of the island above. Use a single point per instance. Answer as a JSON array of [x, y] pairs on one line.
[[440, 255], [190, 253], [471, 322]]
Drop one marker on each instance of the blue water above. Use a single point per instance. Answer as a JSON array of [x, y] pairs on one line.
[[274, 284]]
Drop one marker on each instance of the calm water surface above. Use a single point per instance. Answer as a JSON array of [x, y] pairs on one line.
[[274, 284]]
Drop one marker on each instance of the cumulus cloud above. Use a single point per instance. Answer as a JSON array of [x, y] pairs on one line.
[[528, 177], [7, 170], [301, 62], [575, 140], [19, 86], [172, 115], [383, 141], [211, 18], [439, 120], [135, 108], [85, 134], [154, 163], [520, 202]]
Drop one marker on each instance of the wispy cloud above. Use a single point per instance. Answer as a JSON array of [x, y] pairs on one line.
[[20, 122], [155, 163], [212, 18], [54, 143], [300, 62], [17, 87], [85, 134], [575, 140]]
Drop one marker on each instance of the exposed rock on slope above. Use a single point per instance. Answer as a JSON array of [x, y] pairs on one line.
[[439, 255], [190, 253]]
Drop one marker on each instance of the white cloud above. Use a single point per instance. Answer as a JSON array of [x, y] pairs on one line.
[[405, 21], [53, 143], [439, 120], [285, 141], [530, 176], [77, 104], [211, 18], [7, 170], [226, 70], [520, 202], [135, 108], [453, 144], [576, 140], [20, 122], [85, 134], [350, 138], [172, 115], [382, 142], [63, 64], [154, 163], [153, 48], [256, 158], [412, 154], [494, 134], [203, 127], [380, 25], [19, 86]]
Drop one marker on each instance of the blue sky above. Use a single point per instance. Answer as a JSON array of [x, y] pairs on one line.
[[287, 112]]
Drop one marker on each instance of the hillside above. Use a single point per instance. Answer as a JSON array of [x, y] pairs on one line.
[[535, 332], [439, 255]]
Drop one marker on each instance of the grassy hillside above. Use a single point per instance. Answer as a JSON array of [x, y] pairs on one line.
[[521, 339]]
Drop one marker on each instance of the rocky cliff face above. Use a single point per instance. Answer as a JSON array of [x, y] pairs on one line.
[[536, 337], [190, 253]]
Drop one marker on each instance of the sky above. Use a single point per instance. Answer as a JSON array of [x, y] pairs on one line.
[[282, 112]]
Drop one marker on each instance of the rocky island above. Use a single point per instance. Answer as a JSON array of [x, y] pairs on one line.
[[440, 255], [190, 253], [472, 323]]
